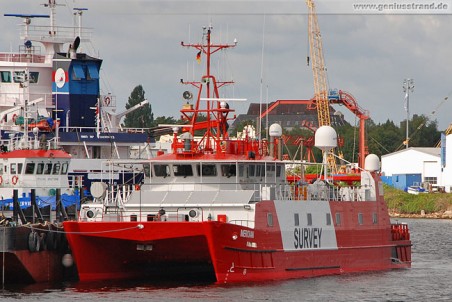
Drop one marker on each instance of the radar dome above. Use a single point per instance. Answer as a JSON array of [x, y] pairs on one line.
[[326, 138], [372, 163], [275, 130]]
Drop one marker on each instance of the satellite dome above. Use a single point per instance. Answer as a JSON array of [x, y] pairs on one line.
[[326, 138], [372, 163], [275, 130]]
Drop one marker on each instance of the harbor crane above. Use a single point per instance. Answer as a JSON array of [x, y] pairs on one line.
[[319, 73]]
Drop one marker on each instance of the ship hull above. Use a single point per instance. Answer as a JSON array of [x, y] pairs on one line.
[[28, 261], [227, 252]]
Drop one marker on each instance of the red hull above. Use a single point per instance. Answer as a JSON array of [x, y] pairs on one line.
[[23, 266], [154, 249]]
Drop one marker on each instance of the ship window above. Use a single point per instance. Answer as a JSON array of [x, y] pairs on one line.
[[56, 168], [64, 168], [328, 219], [40, 168], [207, 170], [230, 170], [182, 170], [161, 170], [34, 77], [78, 72], [13, 169], [19, 76], [296, 219], [260, 170], [251, 170], [241, 169], [309, 219], [278, 170], [338, 218], [269, 219], [374, 218], [30, 168], [1, 169], [19, 168], [47, 168], [147, 170], [92, 72], [5, 76], [360, 218]]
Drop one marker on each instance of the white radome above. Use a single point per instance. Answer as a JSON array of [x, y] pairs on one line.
[[326, 138]]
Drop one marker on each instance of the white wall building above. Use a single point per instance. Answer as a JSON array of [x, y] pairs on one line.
[[425, 161]]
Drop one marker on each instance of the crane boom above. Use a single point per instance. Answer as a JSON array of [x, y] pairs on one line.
[[318, 66]]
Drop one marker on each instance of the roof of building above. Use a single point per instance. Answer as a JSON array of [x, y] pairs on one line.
[[427, 150]]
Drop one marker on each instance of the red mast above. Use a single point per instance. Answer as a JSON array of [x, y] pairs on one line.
[[217, 110]]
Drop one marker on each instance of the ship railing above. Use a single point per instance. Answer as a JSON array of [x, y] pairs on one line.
[[65, 33], [327, 192], [400, 231], [244, 223], [32, 56]]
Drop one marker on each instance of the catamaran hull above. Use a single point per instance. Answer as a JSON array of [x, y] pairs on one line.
[[227, 252]]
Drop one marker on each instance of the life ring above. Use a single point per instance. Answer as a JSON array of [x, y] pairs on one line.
[[1, 179], [15, 179], [107, 100]]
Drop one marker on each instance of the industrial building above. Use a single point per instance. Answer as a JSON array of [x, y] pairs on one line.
[[425, 166]]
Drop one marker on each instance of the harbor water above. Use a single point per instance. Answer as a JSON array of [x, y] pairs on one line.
[[429, 279]]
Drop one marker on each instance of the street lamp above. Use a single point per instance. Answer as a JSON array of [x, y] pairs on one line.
[[408, 85]]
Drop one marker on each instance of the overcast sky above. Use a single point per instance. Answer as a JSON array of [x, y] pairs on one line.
[[368, 55]]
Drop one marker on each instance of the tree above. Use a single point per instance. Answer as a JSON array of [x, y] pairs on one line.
[[142, 117]]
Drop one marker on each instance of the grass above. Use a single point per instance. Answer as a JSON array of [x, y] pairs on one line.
[[404, 203]]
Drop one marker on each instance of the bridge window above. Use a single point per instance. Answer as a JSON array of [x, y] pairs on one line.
[[79, 73], [338, 218], [13, 169], [206, 170], [182, 170], [64, 168], [19, 76], [230, 170], [47, 168], [251, 170], [147, 170], [5, 76], [360, 218], [278, 170], [309, 219], [296, 219], [56, 168], [34, 77], [40, 168], [16, 168], [30, 168], [161, 170], [260, 170]]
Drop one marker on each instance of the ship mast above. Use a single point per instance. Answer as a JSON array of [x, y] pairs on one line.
[[217, 109]]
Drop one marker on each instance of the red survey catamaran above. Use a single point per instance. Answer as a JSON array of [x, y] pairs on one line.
[[222, 208]]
